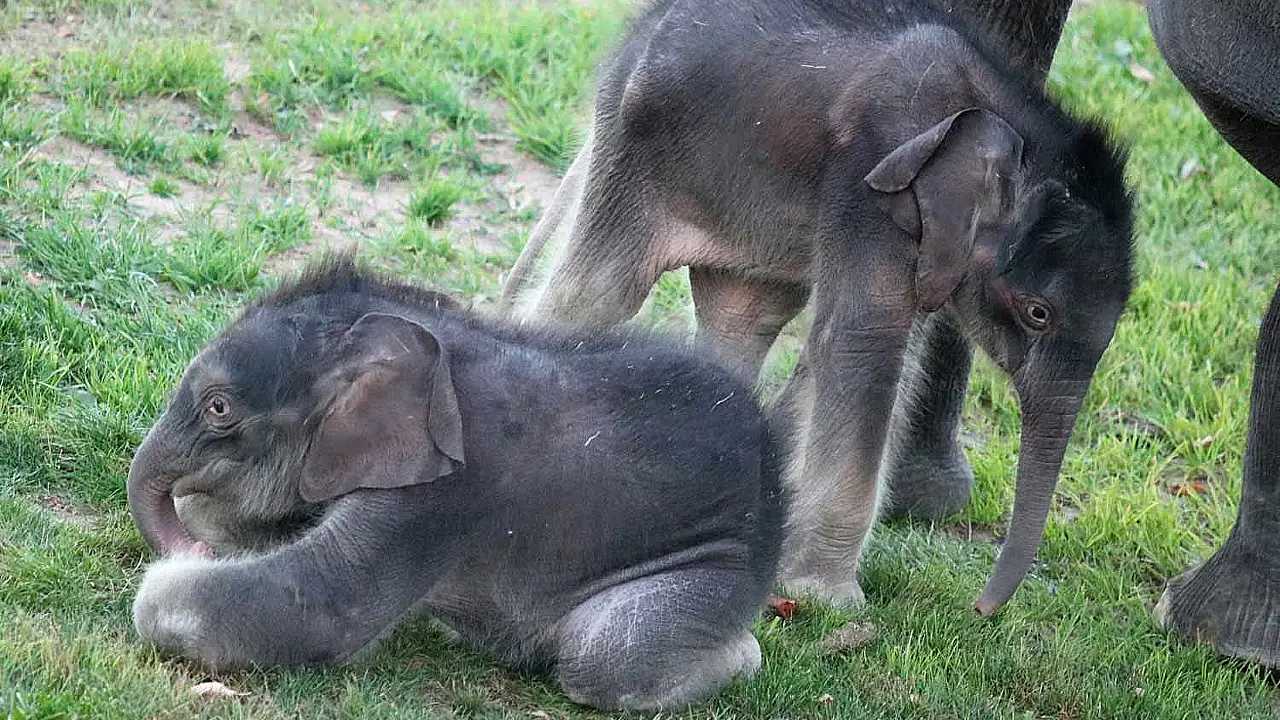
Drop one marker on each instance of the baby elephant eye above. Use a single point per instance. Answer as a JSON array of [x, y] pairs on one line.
[[218, 407], [1036, 314]]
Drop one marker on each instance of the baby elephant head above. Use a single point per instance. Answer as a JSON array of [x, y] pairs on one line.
[[284, 412], [1028, 247]]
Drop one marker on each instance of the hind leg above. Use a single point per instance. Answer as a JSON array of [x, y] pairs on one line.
[[738, 319], [662, 642], [928, 474], [604, 271]]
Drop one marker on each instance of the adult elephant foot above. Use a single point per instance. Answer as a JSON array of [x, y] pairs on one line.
[[1232, 601], [929, 483]]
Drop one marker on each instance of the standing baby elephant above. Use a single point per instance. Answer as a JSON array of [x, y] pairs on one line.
[[601, 508], [883, 158]]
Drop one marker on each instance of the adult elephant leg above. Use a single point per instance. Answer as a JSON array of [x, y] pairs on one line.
[[1026, 31], [1226, 53], [1232, 601], [928, 475], [738, 319]]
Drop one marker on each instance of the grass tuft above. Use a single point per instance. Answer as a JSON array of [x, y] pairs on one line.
[[432, 203]]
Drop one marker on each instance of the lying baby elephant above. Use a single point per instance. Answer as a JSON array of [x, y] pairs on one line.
[[354, 449]]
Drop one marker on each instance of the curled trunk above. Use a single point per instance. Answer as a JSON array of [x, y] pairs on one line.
[[149, 488]]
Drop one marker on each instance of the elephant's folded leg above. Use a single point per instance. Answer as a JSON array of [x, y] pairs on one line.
[[315, 602]]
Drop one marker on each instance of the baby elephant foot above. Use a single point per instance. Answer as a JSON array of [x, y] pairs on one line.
[[165, 613], [1231, 602], [928, 483], [841, 593]]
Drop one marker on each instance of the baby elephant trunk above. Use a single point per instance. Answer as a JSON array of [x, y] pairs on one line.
[[1049, 412], [150, 488]]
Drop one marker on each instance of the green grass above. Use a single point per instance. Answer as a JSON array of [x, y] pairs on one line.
[[433, 201], [106, 291]]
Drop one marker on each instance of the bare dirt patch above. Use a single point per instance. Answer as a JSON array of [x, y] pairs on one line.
[[69, 512], [37, 36]]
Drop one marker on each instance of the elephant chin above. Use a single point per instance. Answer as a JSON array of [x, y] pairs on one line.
[[1048, 417]]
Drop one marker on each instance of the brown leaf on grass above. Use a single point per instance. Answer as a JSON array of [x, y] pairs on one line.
[[850, 636], [1204, 442], [1196, 485], [215, 689], [782, 607], [1141, 73]]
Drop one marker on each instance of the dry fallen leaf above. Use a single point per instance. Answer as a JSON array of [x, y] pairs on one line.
[[1141, 73], [214, 689], [782, 607], [1204, 442], [850, 636], [1190, 486]]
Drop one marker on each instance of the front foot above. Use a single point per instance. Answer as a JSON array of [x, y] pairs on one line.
[[1231, 602], [166, 611], [928, 483], [838, 592]]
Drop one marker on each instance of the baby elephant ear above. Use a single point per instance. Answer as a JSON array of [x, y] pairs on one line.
[[959, 174], [392, 418]]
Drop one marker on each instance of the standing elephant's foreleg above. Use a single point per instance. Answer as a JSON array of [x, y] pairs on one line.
[[926, 471], [838, 409], [738, 319], [865, 304]]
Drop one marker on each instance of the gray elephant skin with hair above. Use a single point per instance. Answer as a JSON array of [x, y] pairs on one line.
[[883, 163], [354, 450]]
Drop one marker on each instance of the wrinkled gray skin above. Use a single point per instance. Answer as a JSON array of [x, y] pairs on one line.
[[354, 451], [885, 160], [1227, 54]]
